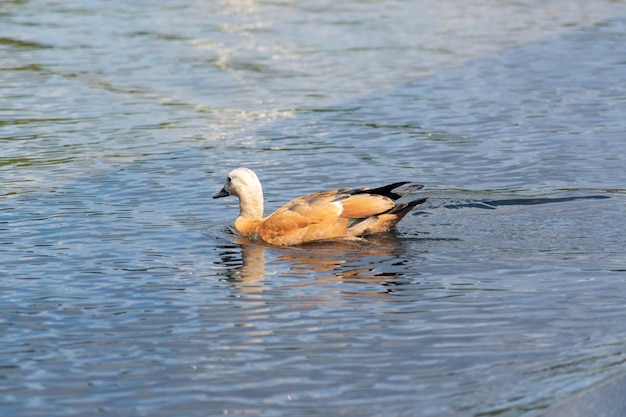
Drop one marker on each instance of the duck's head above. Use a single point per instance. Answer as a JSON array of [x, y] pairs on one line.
[[241, 182]]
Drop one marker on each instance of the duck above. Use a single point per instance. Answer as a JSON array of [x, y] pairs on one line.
[[338, 214]]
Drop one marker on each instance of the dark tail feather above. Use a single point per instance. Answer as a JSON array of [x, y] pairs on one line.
[[390, 190], [402, 210]]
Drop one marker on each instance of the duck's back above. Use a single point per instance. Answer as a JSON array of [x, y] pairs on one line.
[[327, 215]]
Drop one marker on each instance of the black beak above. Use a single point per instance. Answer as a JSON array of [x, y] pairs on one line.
[[221, 193]]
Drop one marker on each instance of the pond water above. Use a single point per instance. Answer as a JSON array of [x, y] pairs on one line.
[[124, 292]]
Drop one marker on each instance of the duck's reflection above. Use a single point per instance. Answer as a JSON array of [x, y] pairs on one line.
[[374, 260], [245, 265]]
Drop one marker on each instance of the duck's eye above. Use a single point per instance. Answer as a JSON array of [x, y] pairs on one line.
[[229, 180]]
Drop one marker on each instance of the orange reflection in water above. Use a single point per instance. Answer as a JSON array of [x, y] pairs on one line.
[[376, 260]]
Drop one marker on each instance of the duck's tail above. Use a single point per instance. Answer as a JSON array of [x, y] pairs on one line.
[[401, 210], [392, 191], [384, 221]]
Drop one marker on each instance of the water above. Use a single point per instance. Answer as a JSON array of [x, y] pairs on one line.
[[123, 291]]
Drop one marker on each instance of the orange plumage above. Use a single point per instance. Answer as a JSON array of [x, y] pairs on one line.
[[327, 215]]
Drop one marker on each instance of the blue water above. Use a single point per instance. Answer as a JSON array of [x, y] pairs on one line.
[[123, 290]]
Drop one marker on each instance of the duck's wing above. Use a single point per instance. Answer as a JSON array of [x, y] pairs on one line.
[[334, 204], [363, 205], [306, 210], [323, 215]]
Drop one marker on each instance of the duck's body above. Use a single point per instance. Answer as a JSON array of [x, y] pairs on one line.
[[327, 215]]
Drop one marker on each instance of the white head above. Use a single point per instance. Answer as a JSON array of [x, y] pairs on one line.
[[243, 183]]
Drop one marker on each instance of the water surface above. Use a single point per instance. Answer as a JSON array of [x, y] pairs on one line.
[[124, 292]]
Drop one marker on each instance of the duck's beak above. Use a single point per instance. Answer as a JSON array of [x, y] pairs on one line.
[[221, 193]]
